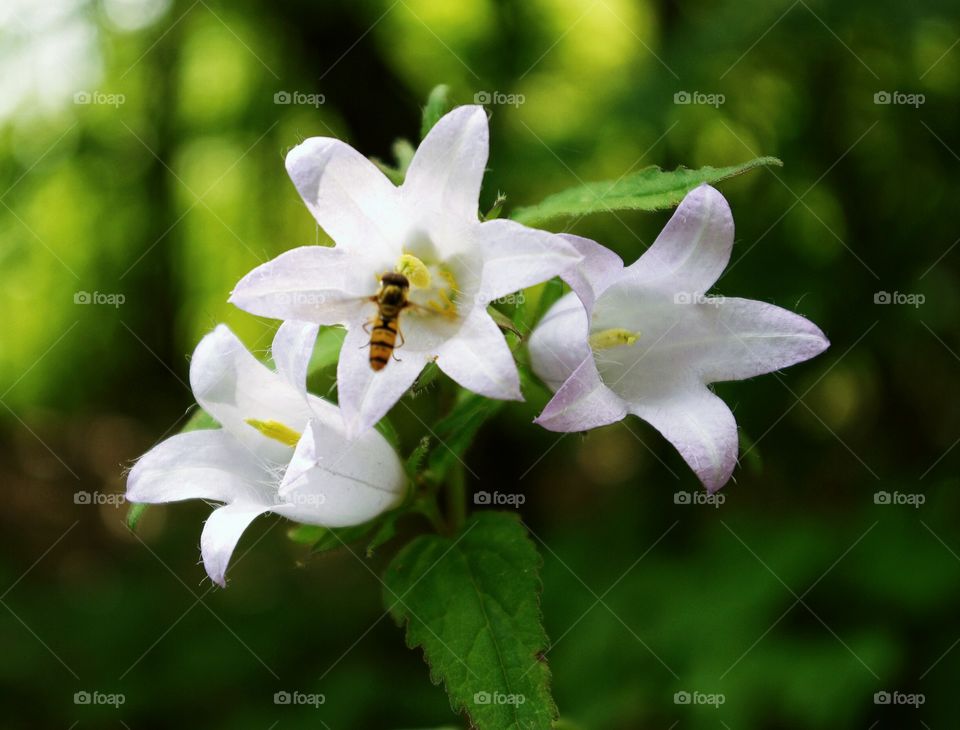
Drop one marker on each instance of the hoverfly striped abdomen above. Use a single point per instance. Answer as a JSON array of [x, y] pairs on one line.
[[391, 299]]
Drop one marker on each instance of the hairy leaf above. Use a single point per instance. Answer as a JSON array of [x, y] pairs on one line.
[[648, 189], [472, 603]]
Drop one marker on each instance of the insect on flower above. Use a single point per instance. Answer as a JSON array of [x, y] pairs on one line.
[[391, 299]]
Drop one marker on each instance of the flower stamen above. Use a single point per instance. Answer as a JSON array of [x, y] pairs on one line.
[[614, 337], [415, 270], [276, 431]]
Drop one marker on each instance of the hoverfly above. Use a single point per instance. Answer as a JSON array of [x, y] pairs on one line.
[[391, 299]]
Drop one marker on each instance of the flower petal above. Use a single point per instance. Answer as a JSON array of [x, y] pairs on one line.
[[209, 464], [515, 257], [447, 170], [479, 359], [599, 268], [583, 402], [760, 338], [310, 283], [292, 348], [693, 248], [559, 342], [351, 199], [234, 387], [335, 482], [365, 396], [221, 532], [699, 424]]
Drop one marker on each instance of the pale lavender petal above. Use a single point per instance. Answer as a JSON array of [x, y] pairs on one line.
[[692, 250], [583, 402], [699, 425], [559, 343], [336, 483], [351, 199], [599, 268], [311, 284], [447, 170], [755, 338], [479, 359], [292, 348], [222, 532], [365, 395], [234, 387], [208, 464], [516, 257]]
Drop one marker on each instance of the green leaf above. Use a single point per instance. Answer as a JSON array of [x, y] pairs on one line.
[[403, 152], [199, 421], [472, 603], [648, 189], [455, 432], [326, 351], [415, 460], [134, 514], [393, 174], [438, 104], [426, 377]]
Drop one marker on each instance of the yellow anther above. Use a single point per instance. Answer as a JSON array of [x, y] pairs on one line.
[[615, 337], [415, 270], [276, 431]]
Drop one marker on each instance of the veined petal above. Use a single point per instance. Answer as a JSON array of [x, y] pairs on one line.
[[699, 424], [209, 464], [335, 482], [583, 402], [234, 387], [365, 396], [479, 359], [755, 338], [221, 532], [693, 248], [311, 283], [599, 268], [292, 348], [447, 170], [515, 257], [351, 199], [559, 342]]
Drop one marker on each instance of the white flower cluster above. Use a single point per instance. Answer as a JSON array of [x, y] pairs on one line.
[[621, 342]]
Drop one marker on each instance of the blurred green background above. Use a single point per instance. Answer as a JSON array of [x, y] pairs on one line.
[[141, 154]]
